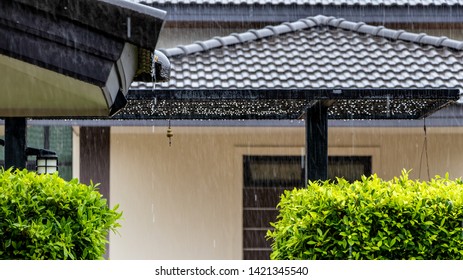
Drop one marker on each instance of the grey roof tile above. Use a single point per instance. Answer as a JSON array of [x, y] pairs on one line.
[[311, 2], [317, 52]]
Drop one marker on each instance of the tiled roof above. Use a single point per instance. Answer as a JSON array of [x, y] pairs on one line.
[[311, 2], [290, 64], [318, 52]]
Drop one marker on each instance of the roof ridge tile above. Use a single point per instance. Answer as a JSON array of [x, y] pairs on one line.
[[389, 33], [290, 26], [255, 33], [335, 22], [203, 45], [237, 37], [377, 30], [184, 49], [273, 29], [397, 34], [309, 22], [367, 29], [453, 44], [441, 40], [212, 43], [358, 26], [420, 37], [220, 40]]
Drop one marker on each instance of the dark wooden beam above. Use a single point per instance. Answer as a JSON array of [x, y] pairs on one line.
[[15, 143], [317, 142]]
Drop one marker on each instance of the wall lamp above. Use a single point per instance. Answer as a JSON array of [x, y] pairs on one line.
[[46, 161]]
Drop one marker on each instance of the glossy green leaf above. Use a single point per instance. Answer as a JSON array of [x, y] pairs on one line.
[[371, 219], [46, 217]]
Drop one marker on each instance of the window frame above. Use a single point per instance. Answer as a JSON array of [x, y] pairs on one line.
[[241, 152], [293, 162]]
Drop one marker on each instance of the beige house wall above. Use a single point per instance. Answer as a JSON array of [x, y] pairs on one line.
[[185, 201]]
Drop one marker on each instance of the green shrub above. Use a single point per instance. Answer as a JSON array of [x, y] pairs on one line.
[[46, 217], [371, 219]]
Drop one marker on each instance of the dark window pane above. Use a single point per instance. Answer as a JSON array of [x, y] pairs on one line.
[[273, 171], [61, 142], [350, 168], [288, 171]]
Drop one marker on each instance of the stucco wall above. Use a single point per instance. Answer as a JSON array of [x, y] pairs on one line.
[[185, 201]]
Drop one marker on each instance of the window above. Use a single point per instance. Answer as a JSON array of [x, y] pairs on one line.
[[266, 177], [350, 168], [273, 171], [54, 138]]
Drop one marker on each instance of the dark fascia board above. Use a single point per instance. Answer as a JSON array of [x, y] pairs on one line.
[[301, 94], [57, 57], [56, 44], [128, 21], [281, 13]]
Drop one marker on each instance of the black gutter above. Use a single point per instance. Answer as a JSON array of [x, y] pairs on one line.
[[301, 94]]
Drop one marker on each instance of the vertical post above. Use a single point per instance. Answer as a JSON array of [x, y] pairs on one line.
[[316, 142], [15, 143], [94, 160], [94, 157]]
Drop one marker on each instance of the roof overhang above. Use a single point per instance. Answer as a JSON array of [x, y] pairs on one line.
[[67, 58]]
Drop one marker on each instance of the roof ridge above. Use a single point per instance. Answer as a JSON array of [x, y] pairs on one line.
[[309, 22]]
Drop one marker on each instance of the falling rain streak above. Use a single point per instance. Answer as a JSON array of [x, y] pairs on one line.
[[200, 192]]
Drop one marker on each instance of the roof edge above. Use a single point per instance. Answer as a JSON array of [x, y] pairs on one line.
[[132, 22], [309, 22]]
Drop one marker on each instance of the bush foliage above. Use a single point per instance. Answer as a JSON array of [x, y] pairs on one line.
[[46, 217], [371, 219]]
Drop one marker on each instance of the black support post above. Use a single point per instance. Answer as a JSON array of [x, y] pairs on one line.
[[15, 143], [316, 142]]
